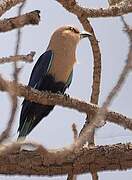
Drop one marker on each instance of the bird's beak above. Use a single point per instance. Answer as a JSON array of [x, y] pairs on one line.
[[85, 34]]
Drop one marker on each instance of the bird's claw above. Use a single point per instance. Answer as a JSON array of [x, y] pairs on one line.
[[59, 92], [66, 95]]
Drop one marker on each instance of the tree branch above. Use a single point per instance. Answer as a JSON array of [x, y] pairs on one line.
[[5, 5], [100, 116], [96, 71], [114, 2], [6, 132], [97, 60], [14, 160], [47, 98], [75, 131], [113, 11], [25, 58], [96, 78], [72, 176], [20, 21]]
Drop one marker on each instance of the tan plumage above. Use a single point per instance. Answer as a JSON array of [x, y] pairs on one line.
[[52, 72], [63, 44]]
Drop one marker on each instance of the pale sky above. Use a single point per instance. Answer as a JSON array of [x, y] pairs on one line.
[[55, 130]]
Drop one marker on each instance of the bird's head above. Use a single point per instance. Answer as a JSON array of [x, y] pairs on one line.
[[69, 36]]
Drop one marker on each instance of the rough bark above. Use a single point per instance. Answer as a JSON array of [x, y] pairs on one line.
[[8, 4], [25, 58], [63, 161], [113, 11], [20, 21], [65, 101]]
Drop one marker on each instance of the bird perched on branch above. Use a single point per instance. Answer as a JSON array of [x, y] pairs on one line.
[[52, 72]]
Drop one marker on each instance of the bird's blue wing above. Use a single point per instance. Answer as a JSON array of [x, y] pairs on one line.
[[41, 68], [32, 113], [69, 80]]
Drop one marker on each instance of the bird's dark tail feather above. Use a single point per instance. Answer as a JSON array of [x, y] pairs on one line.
[[24, 130], [32, 119], [21, 138]]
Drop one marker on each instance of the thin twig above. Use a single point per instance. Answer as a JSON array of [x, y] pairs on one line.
[[75, 132], [97, 60], [96, 77], [5, 133], [96, 70], [16, 69], [100, 116], [25, 58], [72, 176]]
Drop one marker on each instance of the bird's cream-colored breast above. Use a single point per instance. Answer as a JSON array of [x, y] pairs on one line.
[[62, 66]]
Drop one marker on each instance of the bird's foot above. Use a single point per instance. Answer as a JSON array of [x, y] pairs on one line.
[[59, 93], [67, 96]]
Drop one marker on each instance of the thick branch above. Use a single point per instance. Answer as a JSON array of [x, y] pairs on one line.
[[5, 5], [44, 98], [25, 58], [20, 21], [74, 8], [97, 61], [64, 161]]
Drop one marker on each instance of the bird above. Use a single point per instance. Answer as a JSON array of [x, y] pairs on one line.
[[52, 72]]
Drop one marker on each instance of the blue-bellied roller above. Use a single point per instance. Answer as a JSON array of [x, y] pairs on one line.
[[52, 72]]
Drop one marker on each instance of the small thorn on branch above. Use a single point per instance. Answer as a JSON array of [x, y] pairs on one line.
[[75, 132]]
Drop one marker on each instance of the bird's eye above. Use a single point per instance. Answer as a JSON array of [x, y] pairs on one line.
[[73, 30]]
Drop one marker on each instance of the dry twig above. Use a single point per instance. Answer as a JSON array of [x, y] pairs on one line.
[[113, 11], [96, 71], [75, 132], [63, 161], [100, 116], [72, 176], [25, 58], [97, 60], [5, 133], [20, 21], [96, 77]]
